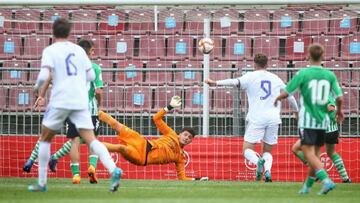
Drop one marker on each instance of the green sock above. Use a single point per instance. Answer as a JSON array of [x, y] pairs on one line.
[[309, 181], [339, 164], [75, 168], [322, 175], [93, 159], [64, 150], [35, 152], [301, 156]]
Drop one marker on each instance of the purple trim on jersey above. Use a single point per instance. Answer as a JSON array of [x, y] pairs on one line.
[[239, 82]]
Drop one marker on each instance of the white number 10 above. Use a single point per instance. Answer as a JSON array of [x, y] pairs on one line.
[[320, 90]]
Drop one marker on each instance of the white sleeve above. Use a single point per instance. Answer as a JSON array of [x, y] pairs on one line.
[[46, 59], [43, 75], [90, 75], [246, 80], [228, 82], [293, 105]]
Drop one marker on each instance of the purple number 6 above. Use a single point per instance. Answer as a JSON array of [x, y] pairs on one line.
[[70, 71], [266, 87]]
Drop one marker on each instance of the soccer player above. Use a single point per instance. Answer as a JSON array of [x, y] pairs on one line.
[[139, 151], [73, 145], [263, 118], [71, 70], [331, 139], [315, 85]]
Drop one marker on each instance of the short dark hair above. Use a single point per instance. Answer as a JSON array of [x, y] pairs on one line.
[[86, 45], [316, 52], [61, 28], [190, 130], [260, 60]]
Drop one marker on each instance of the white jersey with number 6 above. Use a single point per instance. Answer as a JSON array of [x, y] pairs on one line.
[[68, 64], [262, 87]]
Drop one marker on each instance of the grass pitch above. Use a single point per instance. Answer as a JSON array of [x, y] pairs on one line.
[[149, 191]]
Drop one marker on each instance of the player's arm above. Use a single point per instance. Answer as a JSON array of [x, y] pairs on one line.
[[290, 88], [157, 118], [339, 99], [40, 101], [99, 84], [226, 82], [180, 169]]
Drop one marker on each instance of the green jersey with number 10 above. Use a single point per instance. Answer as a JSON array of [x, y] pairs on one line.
[[315, 85]]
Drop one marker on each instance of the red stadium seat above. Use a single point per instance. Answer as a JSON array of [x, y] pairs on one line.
[[164, 94], [34, 46], [159, 77], [9, 46], [99, 44], [7, 15], [27, 21], [49, 16], [180, 47], [296, 47], [152, 47], [194, 100], [113, 98], [244, 64], [195, 21], [343, 76], [268, 46], [237, 48], [34, 74], [170, 21], [222, 100], [138, 99], [21, 98], [256, 22], [120, 47], [343, 22], [351, 100], [285, 22], [301, 64], [226, 21], [14, 76], [283, 74], [216, 64], [129, 77], [141, 21], [84, 21], [107, 76], [111, 22], [188, 77], [350, 49], [4, 99], [331, 46], [355, 79], [315, 22]]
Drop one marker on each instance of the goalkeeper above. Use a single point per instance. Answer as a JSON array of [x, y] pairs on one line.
[[167, 149]]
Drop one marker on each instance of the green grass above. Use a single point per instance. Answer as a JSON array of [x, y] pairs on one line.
[[61, 190]]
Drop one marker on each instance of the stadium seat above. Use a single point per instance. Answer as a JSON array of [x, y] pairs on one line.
[[226, 21], [237, 48], [343, 76], [194, 99], [218, 52], [283, 74], [34, 46], [315, 22], [152, 47], [256, 22], [6, 15], [141, 21], [222, 100], [350, 49], [187, 77], [171, 21], [34, 74], [160, 76], [9, 46], [217, 64], [4, 99], [355, 73], [285, 22], [120, 47], [296, 47], [194, 21], [164, 94], [343, 22], [301, 64], [180, 47], [331, 46], [49, 16], [113, 98], [138, 99], [222, 75], [129, 77], [107, 76], [111, 22], [267, 45], [21, 98], [243, 65], [27, 21], [84, 21], [99, 44], [351, 100], [14, 76]]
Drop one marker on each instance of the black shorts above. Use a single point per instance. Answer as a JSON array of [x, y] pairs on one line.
[[312, 137], [71, 131], [332, 137]]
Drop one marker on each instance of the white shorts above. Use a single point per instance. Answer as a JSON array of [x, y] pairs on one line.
[[255, 133], [54, 118]]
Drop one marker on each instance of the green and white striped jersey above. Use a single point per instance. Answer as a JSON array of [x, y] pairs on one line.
[[332, 127], [315, 85], [97, 83]]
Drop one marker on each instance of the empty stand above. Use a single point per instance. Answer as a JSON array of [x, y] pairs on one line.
[[180, 47], [129, 74], [84, 21], [343, 22], [107, 76], [9, 46], [49, 16], [34, 74], [343, 76], [140, 21], [267, 45], [4, 99], [14, 76], [226, 21], [194, 100], [355, 73], [331, 46], [222, 100], [301, 64], [152, 47], [21, 98], [120, 47], [283, 74], [285, 22], [111, 21], [163, 96], [296, 47], [237, 48], [170, 21], [194, 21], [315, 22], [138, 99], [113, 98], [27, 21], [188, 77], [160, 76], [350, 49], [256, 22], [7, 15], [34, 46], [99, 44], [351, 100]]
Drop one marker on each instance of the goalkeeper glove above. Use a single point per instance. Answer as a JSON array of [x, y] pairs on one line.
[[174, 103], [202, 179]]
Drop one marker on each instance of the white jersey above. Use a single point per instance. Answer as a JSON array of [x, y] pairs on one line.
[[262, 88], [68, 64]]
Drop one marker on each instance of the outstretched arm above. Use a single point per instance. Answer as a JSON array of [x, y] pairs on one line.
[[107, 118], [227, 82], [157, 118], [180, 169]]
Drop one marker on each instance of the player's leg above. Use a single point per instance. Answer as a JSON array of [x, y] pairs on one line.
[[331, 140], [82, 121], [310, 180], [64, 150], [75, 160], [34, 155], [107, 118], [93, 158], [296, 149], [270, 139]]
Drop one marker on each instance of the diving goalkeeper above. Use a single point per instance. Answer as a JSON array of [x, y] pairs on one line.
[[167, 149]]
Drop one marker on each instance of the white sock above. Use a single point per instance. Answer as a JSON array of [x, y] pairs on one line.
[[99, 149], [251, 156], [44, 156], [268, 161]]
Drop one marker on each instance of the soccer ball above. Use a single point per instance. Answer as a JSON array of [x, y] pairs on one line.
[[206, 45]]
